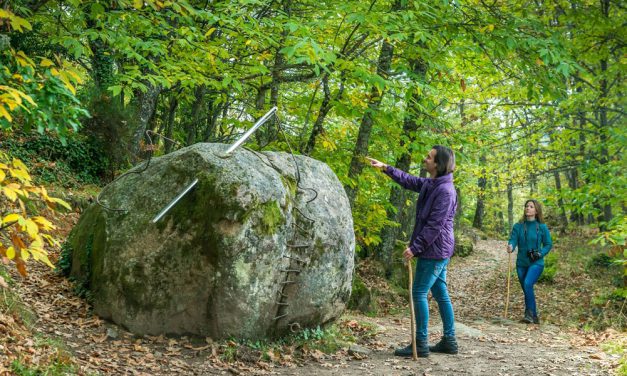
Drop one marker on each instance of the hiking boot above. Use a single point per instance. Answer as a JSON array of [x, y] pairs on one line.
[[447, 345], [536, 320], [422, 350], [528, 317]]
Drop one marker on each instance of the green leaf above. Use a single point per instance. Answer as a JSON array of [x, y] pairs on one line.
[[97, 10], [115, 90]]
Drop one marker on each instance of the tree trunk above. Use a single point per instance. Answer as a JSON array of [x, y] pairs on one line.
[[560, 200], [409, 219], [325, 107], [365, 128], [606, 215], [398, 195], [533, 186], [145, 105], [213, 113], [169, 127], [573, 183], [480, 208], [510, 206], [194, 118]]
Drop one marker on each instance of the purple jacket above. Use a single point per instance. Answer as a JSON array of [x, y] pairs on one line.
[[433, 233]]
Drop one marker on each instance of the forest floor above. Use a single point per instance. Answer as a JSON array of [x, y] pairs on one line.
[[65, 337]]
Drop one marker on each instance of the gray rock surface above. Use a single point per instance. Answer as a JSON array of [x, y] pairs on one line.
[[248, 253]]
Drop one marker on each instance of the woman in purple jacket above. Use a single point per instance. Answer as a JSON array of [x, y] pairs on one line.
[[432, 242]]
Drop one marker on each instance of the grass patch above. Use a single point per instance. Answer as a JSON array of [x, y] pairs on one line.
[[618, 348], [59, 364], [306, 343]]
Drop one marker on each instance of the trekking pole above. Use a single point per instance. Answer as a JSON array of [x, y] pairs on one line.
[[509, 275], [413, 314]]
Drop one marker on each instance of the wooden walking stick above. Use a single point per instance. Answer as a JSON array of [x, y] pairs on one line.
[[413, 314], [509, 275]]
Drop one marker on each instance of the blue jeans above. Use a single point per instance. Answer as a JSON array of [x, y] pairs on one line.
[[431, 275], [528, 276]]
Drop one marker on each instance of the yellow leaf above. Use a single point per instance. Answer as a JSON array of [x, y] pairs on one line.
[[31, 228], [2, 176], [13, 217], [46, 63], [210, 31], [44, 224], [75, 76], [40, 254], [25, 254], [28, 98], [10, 193], [19, 164], [36, 252], [66, 82], [37, 243], [60, 202], [51, 241], [22, 175], [5, 114], [11, 253], [16, 97], [138, 4]]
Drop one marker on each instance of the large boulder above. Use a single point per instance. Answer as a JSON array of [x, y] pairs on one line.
[[263, 244]]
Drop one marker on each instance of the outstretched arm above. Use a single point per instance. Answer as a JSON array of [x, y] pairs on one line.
[[404, 179]]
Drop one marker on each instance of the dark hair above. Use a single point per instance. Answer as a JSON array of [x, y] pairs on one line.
[[444, 160], [538, 207]]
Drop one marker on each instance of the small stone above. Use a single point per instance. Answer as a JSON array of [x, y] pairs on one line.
[[356, 349], [112, 333]]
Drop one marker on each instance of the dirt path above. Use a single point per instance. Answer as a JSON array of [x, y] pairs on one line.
[[489, 345]]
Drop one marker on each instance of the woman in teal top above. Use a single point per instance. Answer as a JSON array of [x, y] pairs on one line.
[[532, 238]]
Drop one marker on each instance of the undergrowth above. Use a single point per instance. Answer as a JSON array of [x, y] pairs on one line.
[[588, 287], [309, 342]]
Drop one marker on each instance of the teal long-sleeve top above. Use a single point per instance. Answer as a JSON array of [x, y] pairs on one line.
[[537, 237]]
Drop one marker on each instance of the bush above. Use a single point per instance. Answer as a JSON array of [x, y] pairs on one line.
[[463, 246], [26, 232], [550, 268], [78, 161], [600, 260]]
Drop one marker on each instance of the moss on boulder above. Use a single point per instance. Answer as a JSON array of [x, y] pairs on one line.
[[243, 254]]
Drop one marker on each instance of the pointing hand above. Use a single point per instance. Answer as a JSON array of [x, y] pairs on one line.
[[377, 164]]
